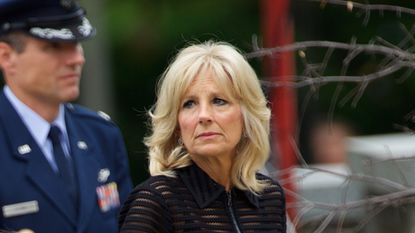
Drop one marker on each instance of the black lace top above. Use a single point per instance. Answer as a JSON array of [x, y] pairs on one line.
[[193, 202]]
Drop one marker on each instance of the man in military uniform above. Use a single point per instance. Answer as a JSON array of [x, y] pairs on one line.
[[63, 168]]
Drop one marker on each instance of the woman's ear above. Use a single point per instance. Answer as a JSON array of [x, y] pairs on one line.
[[178, 135], [177, 132]]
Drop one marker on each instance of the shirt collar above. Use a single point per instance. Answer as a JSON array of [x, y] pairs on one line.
[[204, 189], [38, 127]]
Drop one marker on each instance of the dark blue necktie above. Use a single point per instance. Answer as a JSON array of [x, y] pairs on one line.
[[65, 165]]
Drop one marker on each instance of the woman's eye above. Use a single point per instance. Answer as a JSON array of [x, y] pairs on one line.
[[219, 101], [188, 104]]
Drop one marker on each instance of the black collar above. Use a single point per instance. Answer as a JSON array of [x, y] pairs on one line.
[[204, 189]]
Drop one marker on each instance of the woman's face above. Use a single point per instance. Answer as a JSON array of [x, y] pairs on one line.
[[210, 122]]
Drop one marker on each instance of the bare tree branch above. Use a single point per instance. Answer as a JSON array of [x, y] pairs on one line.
[[350, 5], [304, 45], [390, 60]]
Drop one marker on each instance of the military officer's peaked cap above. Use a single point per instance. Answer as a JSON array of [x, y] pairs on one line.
[[53, 20]]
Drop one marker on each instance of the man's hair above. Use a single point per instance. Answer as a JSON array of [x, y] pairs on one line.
[[15, 39], [232, 72]]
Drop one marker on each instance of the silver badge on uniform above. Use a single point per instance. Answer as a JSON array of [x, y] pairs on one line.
[[24, 149], [82, 145], [103, 175]]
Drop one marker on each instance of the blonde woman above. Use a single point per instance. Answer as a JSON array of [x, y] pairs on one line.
[[209, 138]]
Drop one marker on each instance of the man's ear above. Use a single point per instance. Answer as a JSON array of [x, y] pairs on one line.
[[6, 55]]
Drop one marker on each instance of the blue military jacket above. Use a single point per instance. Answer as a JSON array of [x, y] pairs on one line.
[[31, 194]]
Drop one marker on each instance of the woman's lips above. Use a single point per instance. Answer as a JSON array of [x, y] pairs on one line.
[[207, 135]]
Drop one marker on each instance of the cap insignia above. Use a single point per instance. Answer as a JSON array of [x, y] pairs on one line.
[[85, 29], [49, 33], [66, 3]]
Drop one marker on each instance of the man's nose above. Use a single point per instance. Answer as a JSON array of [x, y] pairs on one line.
[[76, 55]]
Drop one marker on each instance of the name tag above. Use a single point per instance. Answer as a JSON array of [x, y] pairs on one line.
[[28, 207]]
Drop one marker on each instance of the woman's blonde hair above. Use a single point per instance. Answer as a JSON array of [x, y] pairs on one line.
[[236, 76]]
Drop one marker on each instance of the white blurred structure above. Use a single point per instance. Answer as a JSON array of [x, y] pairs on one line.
[[325, 188], [391, 158], [372, 192]]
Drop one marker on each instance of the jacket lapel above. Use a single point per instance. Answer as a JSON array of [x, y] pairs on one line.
[[86, 168], [38, 169]]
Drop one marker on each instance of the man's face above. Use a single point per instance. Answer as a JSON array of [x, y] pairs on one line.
[[45, 72]]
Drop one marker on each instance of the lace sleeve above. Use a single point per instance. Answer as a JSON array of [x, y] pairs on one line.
[[145, 211]]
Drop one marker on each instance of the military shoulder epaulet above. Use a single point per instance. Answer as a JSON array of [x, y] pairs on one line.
[[85, 112], [104, 115]]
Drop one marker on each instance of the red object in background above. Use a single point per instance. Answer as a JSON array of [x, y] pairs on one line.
[[277, 29]]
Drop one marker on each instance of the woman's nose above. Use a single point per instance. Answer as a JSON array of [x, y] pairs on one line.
[[205, 114]]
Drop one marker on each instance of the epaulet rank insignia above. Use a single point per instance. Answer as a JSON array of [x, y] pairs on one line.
[[70, 106], [104, 115]]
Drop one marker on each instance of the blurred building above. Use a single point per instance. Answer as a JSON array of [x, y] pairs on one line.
[[371, 193]]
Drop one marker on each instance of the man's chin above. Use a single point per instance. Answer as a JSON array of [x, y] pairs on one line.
[[71, 96]]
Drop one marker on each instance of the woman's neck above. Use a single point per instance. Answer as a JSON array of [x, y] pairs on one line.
[[218, 170]]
